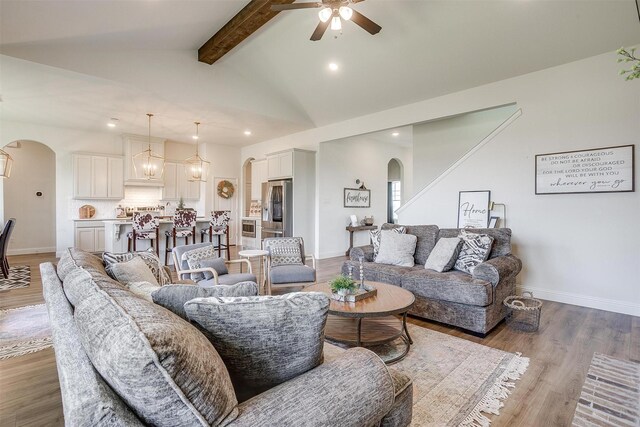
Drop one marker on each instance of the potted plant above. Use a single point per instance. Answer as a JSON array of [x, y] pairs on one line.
[[343, 285]]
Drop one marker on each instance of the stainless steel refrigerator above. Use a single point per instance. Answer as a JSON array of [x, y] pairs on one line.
[[277, 209]]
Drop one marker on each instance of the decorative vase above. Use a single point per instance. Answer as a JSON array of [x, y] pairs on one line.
[[343, 292]]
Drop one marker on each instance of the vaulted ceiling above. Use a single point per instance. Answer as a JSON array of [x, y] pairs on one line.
[[76, 63]]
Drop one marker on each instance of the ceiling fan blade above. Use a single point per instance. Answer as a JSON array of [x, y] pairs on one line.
[[281, 7], [320, 30], [364, 22]]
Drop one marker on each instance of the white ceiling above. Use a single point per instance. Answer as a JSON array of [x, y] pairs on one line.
[[77, 63]]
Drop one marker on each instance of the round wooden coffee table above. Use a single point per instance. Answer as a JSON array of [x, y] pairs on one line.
[[371, 321]]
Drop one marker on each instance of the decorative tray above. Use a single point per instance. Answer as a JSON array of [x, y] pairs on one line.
[[369, 291]]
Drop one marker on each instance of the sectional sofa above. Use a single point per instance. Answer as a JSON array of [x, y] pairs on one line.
[[173, 376], [468, 301]]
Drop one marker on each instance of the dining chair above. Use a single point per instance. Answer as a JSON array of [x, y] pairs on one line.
[[4, 246]]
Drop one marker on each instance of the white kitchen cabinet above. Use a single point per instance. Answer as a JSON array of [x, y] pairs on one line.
[[116, 178], [280, 165], [177, 185], [97, 177], [89, 236], [258, 176], [82, 176], [134, 144]]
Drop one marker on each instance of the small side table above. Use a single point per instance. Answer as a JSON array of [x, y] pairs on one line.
[[351, 229], [256, 253]]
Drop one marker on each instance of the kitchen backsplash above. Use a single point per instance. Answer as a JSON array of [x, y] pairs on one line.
[[133, 197]]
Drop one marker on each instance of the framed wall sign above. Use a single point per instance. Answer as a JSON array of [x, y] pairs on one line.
[[357, 198], [597, 170], [473, 209]]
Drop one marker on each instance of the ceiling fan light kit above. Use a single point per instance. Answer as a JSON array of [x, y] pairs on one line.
[[325, 14], [331, 14]]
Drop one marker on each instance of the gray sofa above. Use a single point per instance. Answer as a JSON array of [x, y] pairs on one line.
[[468, 301], [353, 389]]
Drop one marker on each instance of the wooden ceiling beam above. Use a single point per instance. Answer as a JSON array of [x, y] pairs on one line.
[[246, 22]]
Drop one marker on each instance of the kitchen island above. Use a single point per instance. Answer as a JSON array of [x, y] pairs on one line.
[[115, 235]]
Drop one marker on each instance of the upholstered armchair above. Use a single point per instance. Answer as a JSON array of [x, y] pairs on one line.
[[286, 263], [212, 272]]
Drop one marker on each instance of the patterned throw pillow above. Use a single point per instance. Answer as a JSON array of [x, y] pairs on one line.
[[475, 250], [194, 258], [375, 238], [149, 258], [285, 253]]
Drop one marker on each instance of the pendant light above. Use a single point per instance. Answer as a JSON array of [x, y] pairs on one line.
[[5, 164], [148, 165], [196, 168]]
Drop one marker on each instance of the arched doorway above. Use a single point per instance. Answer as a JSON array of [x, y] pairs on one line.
[[29, 196], [394, 189]]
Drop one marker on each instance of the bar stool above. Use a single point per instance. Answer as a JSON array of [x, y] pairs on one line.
[[218, 226], [145, 227], [184, 225]]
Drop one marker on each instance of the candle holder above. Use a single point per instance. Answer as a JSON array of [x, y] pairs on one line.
[[362, 288]]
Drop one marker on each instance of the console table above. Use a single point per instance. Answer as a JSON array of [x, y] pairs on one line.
[[351, 229]]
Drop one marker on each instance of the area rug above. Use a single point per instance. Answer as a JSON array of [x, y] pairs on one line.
[[19, 277], [455, 382], [24, 330], [610, 395]]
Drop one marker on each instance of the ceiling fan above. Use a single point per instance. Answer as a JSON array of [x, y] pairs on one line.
[[332, 13]]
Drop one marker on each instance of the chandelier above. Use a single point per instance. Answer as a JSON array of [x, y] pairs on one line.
[[148, 165], [197, 168]]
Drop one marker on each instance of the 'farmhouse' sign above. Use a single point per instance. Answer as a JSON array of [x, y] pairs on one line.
[[357, 198]]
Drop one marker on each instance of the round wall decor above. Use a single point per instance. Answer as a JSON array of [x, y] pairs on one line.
[[225, 189]]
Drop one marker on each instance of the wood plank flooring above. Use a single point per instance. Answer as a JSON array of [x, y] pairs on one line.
[[546, 395]]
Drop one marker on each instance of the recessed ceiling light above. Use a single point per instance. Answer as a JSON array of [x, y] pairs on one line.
[[195, 137], [247, 132], [395, 134], [112, 122], [333, 66]]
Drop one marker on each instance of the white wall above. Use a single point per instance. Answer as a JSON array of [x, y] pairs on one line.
[[581, 249], [339, 164], [439, 144], [33, 171]]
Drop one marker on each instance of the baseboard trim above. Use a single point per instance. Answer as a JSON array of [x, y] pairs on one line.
[[605, 304], [331, 254], [29, 251]]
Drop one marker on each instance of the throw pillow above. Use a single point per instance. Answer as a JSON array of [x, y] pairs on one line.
[[264, 340], [216, 263], [396, 248], [173, 297], [166, 371], [475, 250], [285, 253], [143, 289], [444, 255], [134, 270], [195, 256], [150, 258], [375, 238]]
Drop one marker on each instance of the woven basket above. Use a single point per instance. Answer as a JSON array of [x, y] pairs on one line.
[[524, 312]]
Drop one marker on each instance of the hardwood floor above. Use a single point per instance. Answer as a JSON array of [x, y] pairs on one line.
[[546, 395]]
